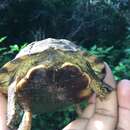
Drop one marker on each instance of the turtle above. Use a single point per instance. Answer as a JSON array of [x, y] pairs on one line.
[[47, 75]]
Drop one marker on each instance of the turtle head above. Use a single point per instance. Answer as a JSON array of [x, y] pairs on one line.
[[96, 63], [101, 89]]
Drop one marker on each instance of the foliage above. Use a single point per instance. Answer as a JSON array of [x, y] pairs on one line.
[[78, 20], [57, 120], [101, 52], [7, 53], [123, 68]]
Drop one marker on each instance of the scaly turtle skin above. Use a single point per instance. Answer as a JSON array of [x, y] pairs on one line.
[[47, 75]]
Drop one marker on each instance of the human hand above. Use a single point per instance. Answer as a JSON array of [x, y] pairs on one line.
[[113, 113], [3, 110]]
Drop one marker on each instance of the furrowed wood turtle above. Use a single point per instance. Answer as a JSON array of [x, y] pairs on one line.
[[47, 75]]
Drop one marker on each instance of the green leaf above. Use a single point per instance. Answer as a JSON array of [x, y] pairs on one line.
[[109, 49], [2, 39], [94, 47], [14, 48]]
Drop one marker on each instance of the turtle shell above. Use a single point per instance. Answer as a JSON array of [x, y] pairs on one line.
[[40, 46]]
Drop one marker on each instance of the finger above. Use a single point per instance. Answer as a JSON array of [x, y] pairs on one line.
[[3, 109], [109, 78], [79, 124], [105, 116], [124, 105], [109, 104], [90, 109]]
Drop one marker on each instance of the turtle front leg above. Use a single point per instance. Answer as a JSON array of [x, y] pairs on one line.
[[26, 121]]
